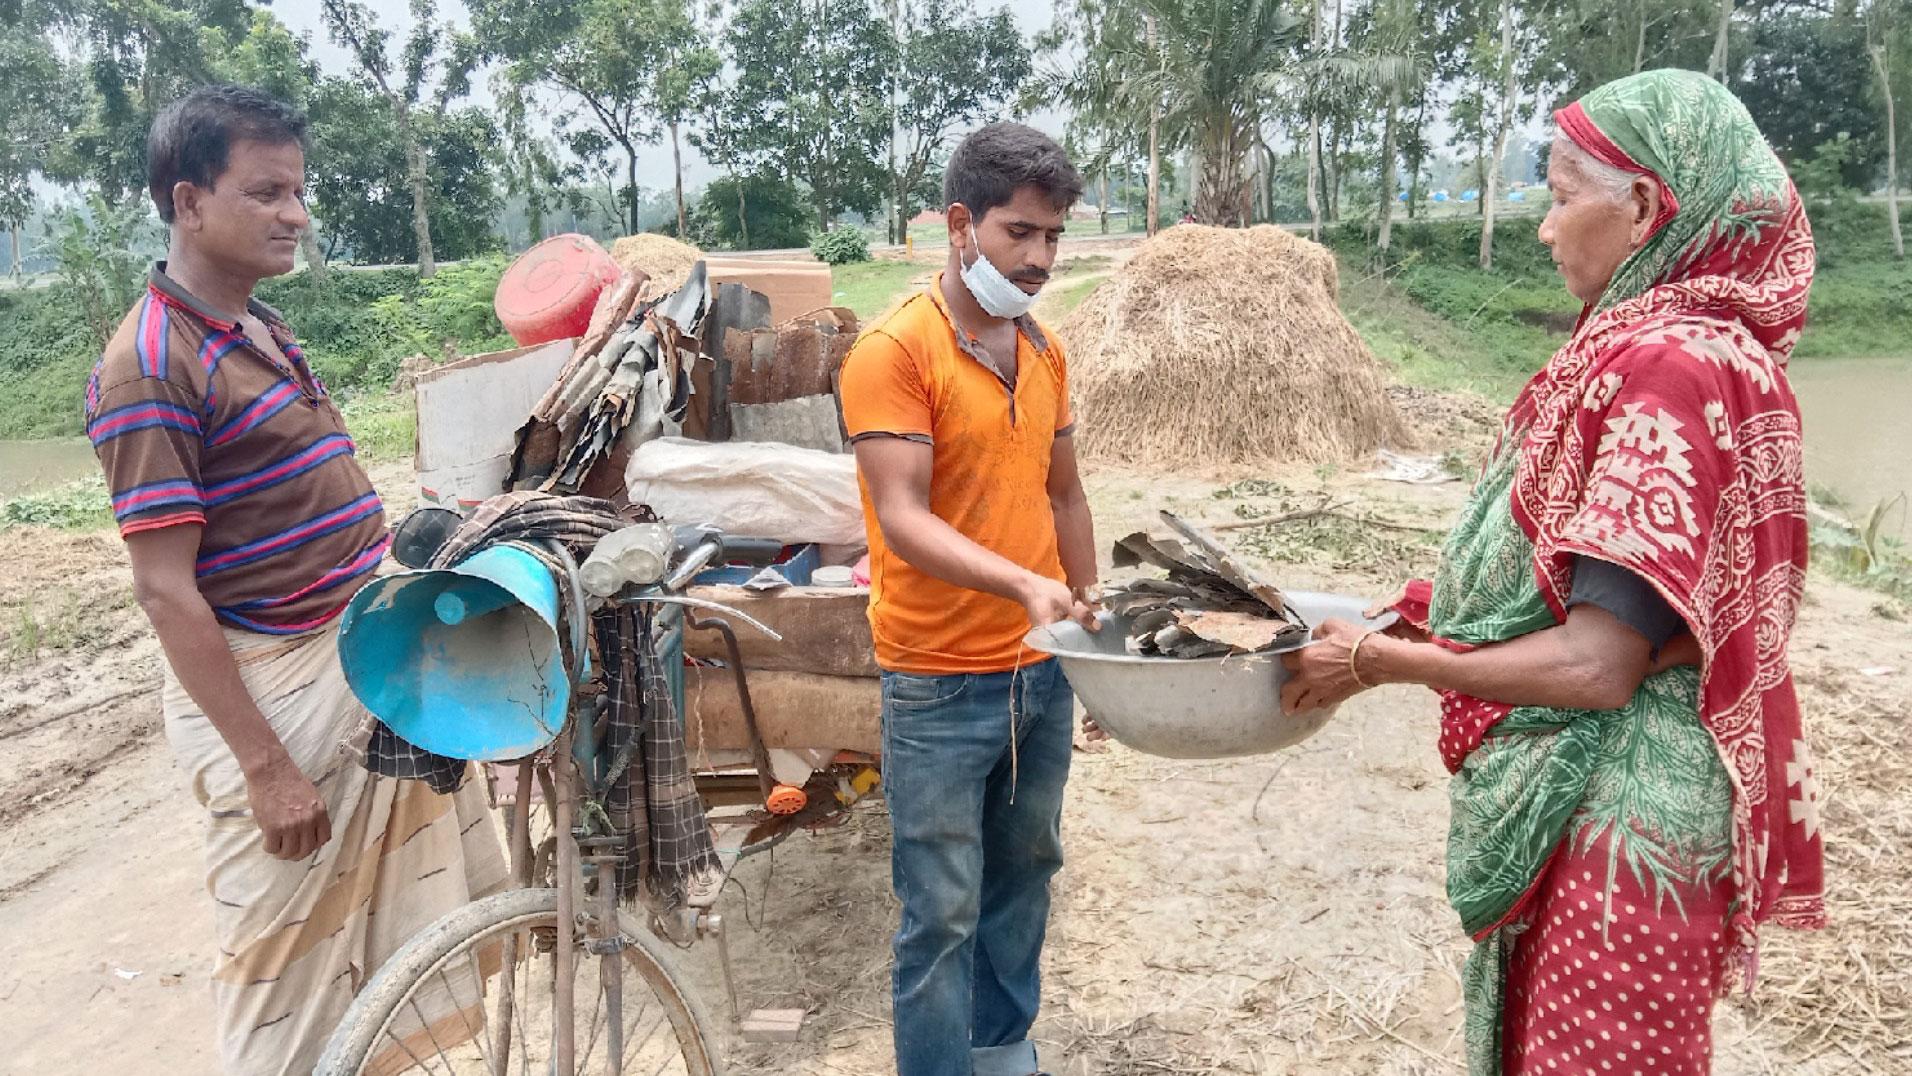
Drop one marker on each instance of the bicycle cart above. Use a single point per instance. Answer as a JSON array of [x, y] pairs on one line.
[[562, 973]]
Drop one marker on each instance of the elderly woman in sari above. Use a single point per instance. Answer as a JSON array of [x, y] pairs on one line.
[[1632, 795]]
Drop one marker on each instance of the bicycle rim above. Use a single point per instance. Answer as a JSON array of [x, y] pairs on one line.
[[474, 995]]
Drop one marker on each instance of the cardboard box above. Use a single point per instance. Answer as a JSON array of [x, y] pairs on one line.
[[469, 413], [794, 288]]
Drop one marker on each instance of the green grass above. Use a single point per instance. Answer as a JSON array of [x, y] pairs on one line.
[[1859, 311], [79, 505], [1491, 359], [1441, 322], [870, 288], [60, 620], [384, 425], [357, 328]]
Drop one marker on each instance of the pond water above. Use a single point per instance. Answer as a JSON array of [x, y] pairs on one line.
[[30, 465], [1858, 420], [1858, 416]]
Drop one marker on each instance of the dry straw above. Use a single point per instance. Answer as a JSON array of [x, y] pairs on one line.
[[1225, 346], [665, 262]]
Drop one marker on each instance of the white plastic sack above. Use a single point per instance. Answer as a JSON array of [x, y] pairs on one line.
[[752, 489]]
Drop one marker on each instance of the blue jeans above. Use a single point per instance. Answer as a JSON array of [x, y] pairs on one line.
[[977, 836]]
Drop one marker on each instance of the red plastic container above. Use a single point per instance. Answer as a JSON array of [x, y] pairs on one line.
[[548, 293]]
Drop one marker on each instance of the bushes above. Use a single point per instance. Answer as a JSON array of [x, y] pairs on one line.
[[841, 246], [356, 329], [79, 505], [1519, 312], [46, 355]]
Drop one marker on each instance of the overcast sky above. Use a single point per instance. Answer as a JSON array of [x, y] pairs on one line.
[[654, 163]]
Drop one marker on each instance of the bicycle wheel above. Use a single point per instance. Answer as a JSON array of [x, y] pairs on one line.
[[473, 995]]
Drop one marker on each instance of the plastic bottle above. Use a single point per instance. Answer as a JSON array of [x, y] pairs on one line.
[[636, 554]]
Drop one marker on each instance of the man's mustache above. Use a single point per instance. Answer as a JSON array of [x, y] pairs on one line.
[[1030, 276]]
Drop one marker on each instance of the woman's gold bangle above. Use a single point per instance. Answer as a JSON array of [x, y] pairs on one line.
[[1354, 654]]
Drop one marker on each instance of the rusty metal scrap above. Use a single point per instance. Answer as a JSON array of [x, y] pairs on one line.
[[640, 376], [796, 359], [1211, 604]]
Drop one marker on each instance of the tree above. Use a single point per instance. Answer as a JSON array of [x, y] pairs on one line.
[[732, 149], [1581, 44], [1796, 56], [1716, 62], [630, 67], [1490, 187], [99, 261], [1387, 60], [1102, 132], [1314, 132], [433, 53], [687, 65], [1881, 30], [958, 69], [777, 215], [808, 97], [38, 104], [359, 183], [137, 56], [1211, 67], [531, 166]]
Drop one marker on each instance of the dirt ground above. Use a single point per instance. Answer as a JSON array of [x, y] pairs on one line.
[[1280, 914]]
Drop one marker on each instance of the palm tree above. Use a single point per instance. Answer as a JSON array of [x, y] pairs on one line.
[[1208, 68]]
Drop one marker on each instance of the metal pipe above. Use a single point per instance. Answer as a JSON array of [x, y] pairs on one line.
[[609, 950], [521, 877], [695, 561], [564, 1033], [760, 754]]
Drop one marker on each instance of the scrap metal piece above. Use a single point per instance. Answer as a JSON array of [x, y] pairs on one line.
[[1141, 548], [1211, 604], [1233, 570], [650, 362], [1243, 633], [737, 313]]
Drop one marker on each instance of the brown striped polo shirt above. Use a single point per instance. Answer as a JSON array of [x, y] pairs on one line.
[[193, 424]]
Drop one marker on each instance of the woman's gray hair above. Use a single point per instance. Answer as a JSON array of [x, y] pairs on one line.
[[1613, 182]]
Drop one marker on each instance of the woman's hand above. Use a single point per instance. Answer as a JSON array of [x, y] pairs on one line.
[[1401, 628], [1319, 674]]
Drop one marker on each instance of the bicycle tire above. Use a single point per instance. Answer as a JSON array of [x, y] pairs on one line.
[[360, 1031]]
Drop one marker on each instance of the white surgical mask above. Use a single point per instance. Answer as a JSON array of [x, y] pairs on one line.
[[995, 293]]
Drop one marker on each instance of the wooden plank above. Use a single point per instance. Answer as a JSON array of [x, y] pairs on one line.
[[794, 710], [825, 630]]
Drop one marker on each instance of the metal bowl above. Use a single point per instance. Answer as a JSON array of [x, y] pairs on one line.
[[1191, 707]]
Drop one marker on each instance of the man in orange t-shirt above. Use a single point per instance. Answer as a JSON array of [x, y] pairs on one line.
[[958, 406]]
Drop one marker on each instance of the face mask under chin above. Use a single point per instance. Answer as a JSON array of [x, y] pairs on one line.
[[995, 293]]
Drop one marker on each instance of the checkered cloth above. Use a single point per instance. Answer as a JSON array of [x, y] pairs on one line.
[[668, 848], [528, 517]]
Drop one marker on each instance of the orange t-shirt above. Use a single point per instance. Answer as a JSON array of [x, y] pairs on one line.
[[910, 376]]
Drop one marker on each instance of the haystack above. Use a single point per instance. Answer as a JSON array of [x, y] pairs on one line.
[[664, 261], [1225, 346]]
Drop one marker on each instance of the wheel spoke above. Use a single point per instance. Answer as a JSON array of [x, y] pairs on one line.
[[655, 1029], [477, 1039], [401, 1044], [430, 1034], [646, 1037], [590, 1046], [524, 1009]]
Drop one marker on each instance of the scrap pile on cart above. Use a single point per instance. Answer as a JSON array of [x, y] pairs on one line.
[[637, 597]]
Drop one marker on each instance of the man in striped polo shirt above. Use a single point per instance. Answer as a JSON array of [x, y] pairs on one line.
[[250, 526]]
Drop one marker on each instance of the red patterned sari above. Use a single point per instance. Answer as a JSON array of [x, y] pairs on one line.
[[1614, 866]]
